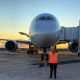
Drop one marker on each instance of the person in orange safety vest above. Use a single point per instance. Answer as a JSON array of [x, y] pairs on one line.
[[53, 61]]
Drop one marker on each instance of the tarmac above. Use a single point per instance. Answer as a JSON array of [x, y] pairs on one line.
[[21, 66]]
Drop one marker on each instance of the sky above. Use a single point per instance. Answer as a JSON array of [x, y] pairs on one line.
[[16, 15]]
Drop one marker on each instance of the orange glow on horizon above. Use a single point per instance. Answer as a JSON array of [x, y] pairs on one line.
[[23, 46], [22, 37], [14, 37], [2, 43], [62, 46], [59, 46]]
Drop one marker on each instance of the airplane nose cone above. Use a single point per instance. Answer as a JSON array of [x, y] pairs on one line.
[[44, 40], [41, 25], [43, 30]]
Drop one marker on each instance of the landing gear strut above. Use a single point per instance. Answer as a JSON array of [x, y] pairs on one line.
[[44, 58]]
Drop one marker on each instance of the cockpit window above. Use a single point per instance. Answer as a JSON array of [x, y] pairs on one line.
[[45, 18], [42, 18], [49, 18]]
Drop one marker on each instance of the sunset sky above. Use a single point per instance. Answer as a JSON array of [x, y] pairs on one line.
[[16, 15]]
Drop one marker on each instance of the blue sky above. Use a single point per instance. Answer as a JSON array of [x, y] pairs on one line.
[[16, 15]]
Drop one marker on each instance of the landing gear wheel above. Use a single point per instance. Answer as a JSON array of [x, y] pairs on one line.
[[79, 54]]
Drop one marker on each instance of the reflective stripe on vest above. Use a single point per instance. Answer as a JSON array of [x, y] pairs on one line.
[[53, 58]]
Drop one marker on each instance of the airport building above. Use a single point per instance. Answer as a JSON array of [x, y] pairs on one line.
[[70, 33]]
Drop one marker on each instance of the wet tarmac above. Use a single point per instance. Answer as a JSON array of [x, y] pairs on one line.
[[21, 66]]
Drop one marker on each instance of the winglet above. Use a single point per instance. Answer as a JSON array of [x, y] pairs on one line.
[[22, 33]]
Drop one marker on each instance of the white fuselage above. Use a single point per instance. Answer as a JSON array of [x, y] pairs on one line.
[[44, 30]]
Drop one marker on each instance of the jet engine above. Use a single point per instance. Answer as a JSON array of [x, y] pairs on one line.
[[11, 46], [73, 46]]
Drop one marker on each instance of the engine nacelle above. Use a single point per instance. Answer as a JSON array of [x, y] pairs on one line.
[[11, 46], [73, 46]]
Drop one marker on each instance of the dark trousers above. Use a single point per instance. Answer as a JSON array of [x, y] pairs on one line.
[[53, 67]]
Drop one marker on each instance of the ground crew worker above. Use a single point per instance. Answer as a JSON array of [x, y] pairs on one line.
[[53, 61]]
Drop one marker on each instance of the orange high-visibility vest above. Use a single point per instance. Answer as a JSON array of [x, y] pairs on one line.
[[53, 58]]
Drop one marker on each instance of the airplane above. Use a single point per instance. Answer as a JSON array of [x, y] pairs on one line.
[[44, 32]]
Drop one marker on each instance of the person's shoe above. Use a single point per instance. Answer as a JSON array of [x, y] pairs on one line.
[[55, 77], [50, 77]]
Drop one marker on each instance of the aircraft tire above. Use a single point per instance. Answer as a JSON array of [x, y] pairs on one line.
[[79, 54]]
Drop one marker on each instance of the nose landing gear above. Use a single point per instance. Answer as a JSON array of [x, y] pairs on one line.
[[44, 58]]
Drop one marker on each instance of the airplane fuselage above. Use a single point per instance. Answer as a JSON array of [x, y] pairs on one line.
[[44, 30]]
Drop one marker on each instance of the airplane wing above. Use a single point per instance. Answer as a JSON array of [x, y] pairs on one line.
[[19, 41], [22, 33], [25, 42], [12, 45], [4, 39]]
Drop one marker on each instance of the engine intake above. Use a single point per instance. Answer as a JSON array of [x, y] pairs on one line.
[[73, 46], [11, 46]]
